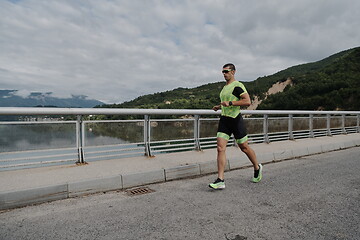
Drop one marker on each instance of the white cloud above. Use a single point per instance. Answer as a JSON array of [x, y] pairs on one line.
[[117, 50], [22, 93]]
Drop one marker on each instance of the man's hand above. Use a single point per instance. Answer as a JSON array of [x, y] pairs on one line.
[[217, 107], [225, 103]]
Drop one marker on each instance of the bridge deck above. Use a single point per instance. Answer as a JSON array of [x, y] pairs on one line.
[[23, 187]]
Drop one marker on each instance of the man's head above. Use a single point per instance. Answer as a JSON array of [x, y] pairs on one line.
[[230, 66], [228, 71]]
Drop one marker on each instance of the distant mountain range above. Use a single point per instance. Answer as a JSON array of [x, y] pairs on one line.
[[11, 98]]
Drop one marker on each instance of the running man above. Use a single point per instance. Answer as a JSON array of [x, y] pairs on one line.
[[232, 96]]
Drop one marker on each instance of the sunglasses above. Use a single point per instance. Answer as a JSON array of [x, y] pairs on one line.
[[226, 71]]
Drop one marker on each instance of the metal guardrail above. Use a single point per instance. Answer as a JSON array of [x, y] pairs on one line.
[[267, 126]]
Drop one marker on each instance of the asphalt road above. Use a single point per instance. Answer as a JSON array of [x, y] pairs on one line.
[[314, 197]]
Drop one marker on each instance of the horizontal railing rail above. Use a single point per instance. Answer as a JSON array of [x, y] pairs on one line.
[[195, 130], [137, 111]]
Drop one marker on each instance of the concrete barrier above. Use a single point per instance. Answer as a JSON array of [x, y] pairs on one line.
[[182, 172], [282, 155], [144, 178], [32, 196], [300, 152], [314, 149], [80, 188], [265, 157]]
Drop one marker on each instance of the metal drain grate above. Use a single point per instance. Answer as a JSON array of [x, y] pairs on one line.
[[139, 191]]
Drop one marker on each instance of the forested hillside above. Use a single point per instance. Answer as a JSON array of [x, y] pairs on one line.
[[330, 84]]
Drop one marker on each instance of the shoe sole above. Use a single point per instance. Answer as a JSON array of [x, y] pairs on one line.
[[218, 188]]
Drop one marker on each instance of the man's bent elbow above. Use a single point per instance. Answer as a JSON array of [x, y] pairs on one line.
[[247, 103]]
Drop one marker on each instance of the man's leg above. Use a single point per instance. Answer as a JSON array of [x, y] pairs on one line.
[[252, 157], [245, 148], [221, 156], [221, 162]]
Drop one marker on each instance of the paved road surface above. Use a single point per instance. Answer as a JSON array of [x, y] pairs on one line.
[[315, 197]]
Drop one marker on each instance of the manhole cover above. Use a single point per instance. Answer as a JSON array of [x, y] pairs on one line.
[[139, 191], [236, 237]]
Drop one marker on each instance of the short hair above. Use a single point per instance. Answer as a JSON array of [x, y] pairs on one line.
[[229, 65]]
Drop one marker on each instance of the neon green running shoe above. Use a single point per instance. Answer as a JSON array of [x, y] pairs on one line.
[[258, 174], [218, 184]]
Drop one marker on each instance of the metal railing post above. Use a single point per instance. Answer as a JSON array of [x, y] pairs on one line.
[[147, 135], [80, 138], [311, 125], [266, 128], [343, 123], [328, 125], [291, 127], [197, 132]]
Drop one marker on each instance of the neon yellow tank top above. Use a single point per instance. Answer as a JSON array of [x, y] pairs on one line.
[[232, 92]]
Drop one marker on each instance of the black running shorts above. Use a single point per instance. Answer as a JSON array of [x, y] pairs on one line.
[[235, 126]]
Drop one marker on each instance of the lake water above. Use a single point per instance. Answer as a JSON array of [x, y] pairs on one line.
[[34, 143]]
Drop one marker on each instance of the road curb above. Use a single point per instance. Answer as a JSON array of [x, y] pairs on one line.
[[23, 198], [85, 187]]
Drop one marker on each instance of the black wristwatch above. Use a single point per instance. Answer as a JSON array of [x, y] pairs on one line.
[[230, 103]]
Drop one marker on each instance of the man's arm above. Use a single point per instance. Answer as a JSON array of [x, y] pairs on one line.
[[244, 101]]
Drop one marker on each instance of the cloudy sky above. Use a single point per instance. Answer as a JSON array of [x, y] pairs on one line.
[[117, 50]]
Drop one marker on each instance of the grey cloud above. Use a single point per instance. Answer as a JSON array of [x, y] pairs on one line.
[[115, 51]]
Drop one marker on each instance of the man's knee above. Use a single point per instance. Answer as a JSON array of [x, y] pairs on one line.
[[221, 145], [221, 148]]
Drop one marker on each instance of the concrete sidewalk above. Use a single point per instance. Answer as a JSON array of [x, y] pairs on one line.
[[30, 186]]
